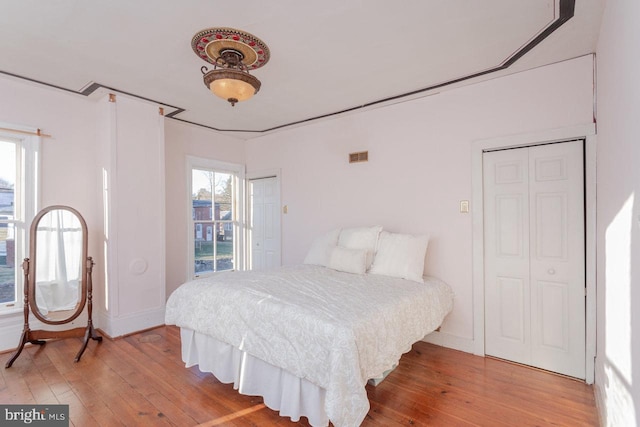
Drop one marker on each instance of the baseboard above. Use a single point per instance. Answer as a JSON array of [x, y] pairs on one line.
[[600, 404], [115, 327], [450, 341], [12, 326]]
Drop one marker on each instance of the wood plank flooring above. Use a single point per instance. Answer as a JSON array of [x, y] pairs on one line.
[[140, 380]]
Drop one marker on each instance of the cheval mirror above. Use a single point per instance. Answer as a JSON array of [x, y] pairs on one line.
[[57, 278]]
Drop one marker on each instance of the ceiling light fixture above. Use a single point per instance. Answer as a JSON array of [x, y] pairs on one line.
[[233, 53]]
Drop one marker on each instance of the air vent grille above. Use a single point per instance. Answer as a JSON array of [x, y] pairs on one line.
[[362, 156]]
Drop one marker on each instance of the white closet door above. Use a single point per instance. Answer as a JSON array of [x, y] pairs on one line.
[[506, 229], [264, 234], [534, 256], [557, 258]]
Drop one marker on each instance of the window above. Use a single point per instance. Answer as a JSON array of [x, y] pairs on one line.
[[216, 232], [18, 158]]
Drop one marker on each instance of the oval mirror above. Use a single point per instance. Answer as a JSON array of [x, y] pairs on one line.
[[58, 252]]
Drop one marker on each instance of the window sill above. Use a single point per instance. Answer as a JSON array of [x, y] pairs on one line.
[[11, 311], [210, 273]]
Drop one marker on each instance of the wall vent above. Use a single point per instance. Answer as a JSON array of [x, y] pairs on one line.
[[362, 156]]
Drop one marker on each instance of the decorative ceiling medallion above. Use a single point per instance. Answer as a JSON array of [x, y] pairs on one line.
[[233, 53], [210, 43]]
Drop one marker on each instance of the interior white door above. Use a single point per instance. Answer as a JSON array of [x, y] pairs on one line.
[[534, 256], [264, 235], [506, 230]]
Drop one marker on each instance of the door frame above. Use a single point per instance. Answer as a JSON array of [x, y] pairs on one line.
[[586, 132], [268, 173]]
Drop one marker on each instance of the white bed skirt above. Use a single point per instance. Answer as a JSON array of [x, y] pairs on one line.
[[282, 391]]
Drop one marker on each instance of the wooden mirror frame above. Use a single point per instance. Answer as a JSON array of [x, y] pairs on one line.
[[33, 250], [30, 305]]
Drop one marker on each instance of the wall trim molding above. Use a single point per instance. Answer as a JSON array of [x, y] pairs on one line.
[[455, 342], [118, 326]]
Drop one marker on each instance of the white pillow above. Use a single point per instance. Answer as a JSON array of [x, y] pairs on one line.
[[361, 238], [400, 255], [321, 247], [348, 260]]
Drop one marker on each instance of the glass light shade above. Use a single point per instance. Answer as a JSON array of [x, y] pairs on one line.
[[231, 84], [232, 89]]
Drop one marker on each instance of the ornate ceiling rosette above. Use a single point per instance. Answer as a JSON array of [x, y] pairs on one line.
[[209, 44]]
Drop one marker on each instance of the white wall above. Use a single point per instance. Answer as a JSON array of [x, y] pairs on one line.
[[618, 116], [68, 162], [419, 165], [182, 140], [67, 159], [132, 164]]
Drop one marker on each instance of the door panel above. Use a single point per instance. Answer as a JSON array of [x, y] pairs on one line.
[[557, 261], [256, 208], [506, 239], [554, 315], [549, 168], [509, 225], [264, 207], [511, 291], [551, 231]]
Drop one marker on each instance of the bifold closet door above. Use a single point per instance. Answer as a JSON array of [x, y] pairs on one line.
[[534, 256]]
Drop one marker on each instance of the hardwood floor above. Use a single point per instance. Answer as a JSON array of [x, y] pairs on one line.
[[141, 380]]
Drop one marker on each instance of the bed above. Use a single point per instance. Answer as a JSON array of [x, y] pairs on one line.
[[308, 337]]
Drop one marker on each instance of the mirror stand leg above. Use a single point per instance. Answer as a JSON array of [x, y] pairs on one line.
[[90, 333], [23, 340]]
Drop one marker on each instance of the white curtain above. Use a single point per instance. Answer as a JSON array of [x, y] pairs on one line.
[[58, 261]]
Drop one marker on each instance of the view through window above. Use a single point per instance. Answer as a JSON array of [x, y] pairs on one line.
[[214, 220], [8, 169]]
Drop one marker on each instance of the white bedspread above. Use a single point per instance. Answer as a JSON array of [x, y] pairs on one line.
[[334, 329]]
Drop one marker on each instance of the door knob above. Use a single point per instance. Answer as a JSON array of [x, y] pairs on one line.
[[551, 271]]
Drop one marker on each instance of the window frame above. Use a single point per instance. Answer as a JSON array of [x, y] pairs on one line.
[[238, 220], [26, 202]]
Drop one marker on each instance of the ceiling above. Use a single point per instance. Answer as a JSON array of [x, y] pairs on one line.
[[327, 57]]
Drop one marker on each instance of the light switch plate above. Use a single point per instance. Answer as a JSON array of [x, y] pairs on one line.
[[464, 206]]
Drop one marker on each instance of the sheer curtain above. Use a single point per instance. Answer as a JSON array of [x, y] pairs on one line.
[[58, 261]]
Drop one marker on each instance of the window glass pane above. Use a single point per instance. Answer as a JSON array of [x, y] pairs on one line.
[[224, 230], [224, 247], [7, 179], [203, 250], [223, 196], [202, 182], [7, 263], [201, 194], [7, 229]]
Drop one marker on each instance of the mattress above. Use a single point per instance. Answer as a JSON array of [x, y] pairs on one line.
[[333, 329]]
